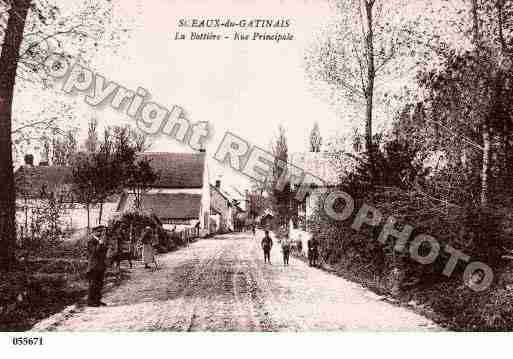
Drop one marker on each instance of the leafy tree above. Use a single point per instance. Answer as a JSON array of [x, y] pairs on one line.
[[280, 190], [84, 188], [113, 167], [257, 203], [17, 63], [468, 97], [140, 176], [357, 51], [65, 148]]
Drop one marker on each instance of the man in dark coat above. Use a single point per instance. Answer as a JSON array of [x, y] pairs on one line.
[[313, 251], [97, 253], [267, 244]]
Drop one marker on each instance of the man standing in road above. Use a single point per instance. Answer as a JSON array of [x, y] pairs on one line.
[[313, 251], [267, 244], [97, 253]]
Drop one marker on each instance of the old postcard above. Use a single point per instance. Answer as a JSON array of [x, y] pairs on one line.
[[255, 166]]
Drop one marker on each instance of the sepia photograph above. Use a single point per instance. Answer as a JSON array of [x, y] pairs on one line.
[[314, 167]]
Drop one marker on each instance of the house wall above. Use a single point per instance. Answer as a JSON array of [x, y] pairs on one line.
[[220, 203], [204, 214], [204, 191]]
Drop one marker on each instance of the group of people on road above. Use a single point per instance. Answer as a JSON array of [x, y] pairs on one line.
[[286, 246], [98, 245]]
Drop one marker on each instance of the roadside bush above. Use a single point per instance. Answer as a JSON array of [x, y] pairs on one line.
[[137, 221], [477, 232]]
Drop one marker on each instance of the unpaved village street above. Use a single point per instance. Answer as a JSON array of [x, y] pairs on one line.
[[222, 284]]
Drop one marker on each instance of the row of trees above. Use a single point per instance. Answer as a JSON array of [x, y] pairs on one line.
[[110, 165], [444, 164], [275, 195], [99, 173], [462, 88], [40, 25]]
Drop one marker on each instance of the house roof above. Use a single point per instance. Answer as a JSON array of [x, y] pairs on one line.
[[177, 170], [318, 164], [37, 178], [221, 192], [173, 205]]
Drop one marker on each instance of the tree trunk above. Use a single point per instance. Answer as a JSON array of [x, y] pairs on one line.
[[8, 66], [100, 214], [371, 74], [485, 172], [485, 128], [88, 218], [26, 214]]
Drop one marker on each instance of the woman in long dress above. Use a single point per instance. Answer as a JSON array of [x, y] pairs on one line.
[[148, 254]]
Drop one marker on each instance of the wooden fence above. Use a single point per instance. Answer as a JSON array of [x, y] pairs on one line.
[[185, 235]]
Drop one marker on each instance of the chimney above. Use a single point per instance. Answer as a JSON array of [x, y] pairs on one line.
[[218, 184], [29, 159]]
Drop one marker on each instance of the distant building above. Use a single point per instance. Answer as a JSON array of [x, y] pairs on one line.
[[43, 181], [181, 195], [266, 219], [221, 209], [35, 186], [318, 164], [239, 217]]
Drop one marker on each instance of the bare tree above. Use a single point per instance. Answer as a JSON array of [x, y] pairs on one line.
[[9, 64], [281, 192], [26, 65], [315, 139], [140, 140], [91, 142], [64, 148], [355, 52]]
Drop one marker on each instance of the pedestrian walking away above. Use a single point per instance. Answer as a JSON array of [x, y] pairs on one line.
[[267, 244], [285, 249], [253, 229], [313, 251], [97, 253], [148, 253]]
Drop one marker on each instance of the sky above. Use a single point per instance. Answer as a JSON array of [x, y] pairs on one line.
[[246, 87]]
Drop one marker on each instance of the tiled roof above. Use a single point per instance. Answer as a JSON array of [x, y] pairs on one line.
[[177, 170], [218, 200], [173, 205]]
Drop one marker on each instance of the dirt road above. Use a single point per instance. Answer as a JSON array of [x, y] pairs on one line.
[[222, 284]]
